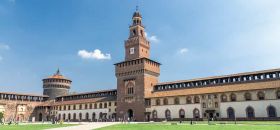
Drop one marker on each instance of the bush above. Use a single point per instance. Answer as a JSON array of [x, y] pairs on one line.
[[1, 117]]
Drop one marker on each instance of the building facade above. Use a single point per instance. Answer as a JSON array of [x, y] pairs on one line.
[[140, 96]]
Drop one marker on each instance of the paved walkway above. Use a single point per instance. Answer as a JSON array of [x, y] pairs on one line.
[[87, 126]]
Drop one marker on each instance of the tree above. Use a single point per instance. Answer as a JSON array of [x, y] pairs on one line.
[[1, 117]]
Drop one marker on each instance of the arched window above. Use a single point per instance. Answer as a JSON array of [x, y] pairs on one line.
[[59, 116], [80, 116], [204, 105], [182, 113], [86, 106], [189, 100], [74, 116], [224, 98], [165, 101], [95, 106], [87, 116], [230, 113], [167, 114], [130, 88], [232, 97], [196, 99], [100, 115], [176, 101], [154, 114], [105, 105], [250, 112], [196, 113], [90, 106], [261, 95], [271, 111], [69, 116], [80, 106], [278, 94], [158, 102], [64, 116], [93, 116], [100, 105], [247, 96]]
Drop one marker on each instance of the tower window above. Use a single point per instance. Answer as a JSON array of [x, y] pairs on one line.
[[134, 32], [131, 50]]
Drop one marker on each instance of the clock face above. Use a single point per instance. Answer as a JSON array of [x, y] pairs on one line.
[[131, 50]]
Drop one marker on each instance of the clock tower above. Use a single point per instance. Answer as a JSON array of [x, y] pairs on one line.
[[137, 75]]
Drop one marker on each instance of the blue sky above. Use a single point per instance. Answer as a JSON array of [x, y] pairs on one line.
[[191, 38]]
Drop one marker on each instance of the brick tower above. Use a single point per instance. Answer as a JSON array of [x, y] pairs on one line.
[[137, 75]]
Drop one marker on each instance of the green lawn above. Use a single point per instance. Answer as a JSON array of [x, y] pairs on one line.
[[198, 126], [31, 127]]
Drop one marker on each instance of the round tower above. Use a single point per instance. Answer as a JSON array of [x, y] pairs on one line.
[[56, 85]]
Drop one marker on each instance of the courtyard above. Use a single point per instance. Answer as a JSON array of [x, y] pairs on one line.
[[266, 125]]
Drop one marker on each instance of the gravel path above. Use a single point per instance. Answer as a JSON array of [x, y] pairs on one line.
[[87, 126]]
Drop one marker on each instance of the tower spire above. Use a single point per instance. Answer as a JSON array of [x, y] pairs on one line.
[[57, 72]]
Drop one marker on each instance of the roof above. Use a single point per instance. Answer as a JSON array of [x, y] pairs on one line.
[[100, 91], [137, 59], [57, 75], [137, 14], [90, 100], [222, 76], [24, 94], [246, 86]]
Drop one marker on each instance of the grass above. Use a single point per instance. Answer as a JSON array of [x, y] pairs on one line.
[[199, 126], [32, 126]]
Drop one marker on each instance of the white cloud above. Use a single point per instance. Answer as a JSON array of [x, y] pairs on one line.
[[183, 50], [4, 46], [96, 54], [153, 38]]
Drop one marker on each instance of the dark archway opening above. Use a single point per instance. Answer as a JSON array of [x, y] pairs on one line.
[[130, 114]]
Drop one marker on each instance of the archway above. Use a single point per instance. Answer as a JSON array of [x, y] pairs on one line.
[[40, 117], [130, 114]]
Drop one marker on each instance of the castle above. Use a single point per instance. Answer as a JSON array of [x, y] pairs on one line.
[[140, 97]]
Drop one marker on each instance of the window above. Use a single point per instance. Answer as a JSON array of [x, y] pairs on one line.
[[176, 101], [90, 106], [182, 113], [261, 95], [154, 114], [196, 113], [271, 111], [196, 99], [158, 102], [233, 97], [167, 114], [230, 113], [69, 116], [87, 116], [165, 101], [216, 104], [105, 105], [80, 106], [248, 96], [131, 50], [189, 100], [64, 116], [130, 88], [278, 94], [204, 105], [95, 106], [80, 116], [74, 116], [69, 107], [93, 116], [250, 112], [74, 107], [224, 98], [100, 105], [86, 106]]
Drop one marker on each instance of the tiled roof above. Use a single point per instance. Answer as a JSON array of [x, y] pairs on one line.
[[91, 100]]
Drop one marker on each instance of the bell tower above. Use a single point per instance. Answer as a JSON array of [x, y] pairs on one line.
[[137, 46], [136, 75]]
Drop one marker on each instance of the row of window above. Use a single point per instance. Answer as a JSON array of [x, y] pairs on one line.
[[250, 113], [57, 80], [85, 96], [224, 98], [244, 78], [86, 116], [85, 106], [21, 97]]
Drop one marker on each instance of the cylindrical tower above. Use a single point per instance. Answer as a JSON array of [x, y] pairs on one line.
[[56, 85]]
